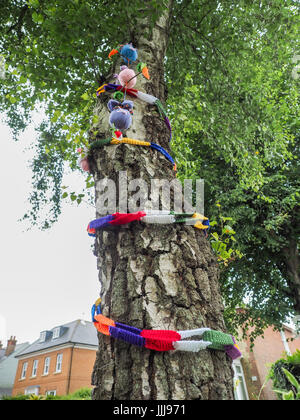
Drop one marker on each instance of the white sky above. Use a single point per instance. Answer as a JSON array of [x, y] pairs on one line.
[[46, 278]]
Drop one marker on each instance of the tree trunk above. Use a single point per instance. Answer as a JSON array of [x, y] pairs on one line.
[[154, 276]]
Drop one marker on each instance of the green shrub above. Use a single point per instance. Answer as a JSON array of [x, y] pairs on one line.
[[285, 375], [80, 394]]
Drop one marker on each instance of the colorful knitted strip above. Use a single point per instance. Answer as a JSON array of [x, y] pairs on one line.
[[145, 97], [164, 340], [126, 140], [148, 216]]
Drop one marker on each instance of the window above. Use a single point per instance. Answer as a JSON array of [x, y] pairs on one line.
[[240, 388], [42, 336], [32, 390], [56, 333], [24, 370], [34, 367], [46, 365], [59, 362], [52, 392]]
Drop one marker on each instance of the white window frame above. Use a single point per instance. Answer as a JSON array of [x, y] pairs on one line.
[[24, 370], [59, 358], [46, 365], [42, 336], [240, 387], [56, 332], [34, 368], [51, 392], [32, 390]]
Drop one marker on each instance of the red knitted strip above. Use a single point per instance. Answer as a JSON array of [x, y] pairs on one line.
[[159, 345], [123, 218], [168, 335]]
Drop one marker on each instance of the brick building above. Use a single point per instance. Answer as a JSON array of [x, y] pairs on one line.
[[251, 370], [59, 362]]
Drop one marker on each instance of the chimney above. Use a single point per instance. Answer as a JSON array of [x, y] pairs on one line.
[[11, 345]]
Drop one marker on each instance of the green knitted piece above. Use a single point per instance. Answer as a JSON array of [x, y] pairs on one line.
[[218, 339], [99, 143]]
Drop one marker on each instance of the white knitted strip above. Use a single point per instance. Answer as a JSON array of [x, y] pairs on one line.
[[191, 333], [146, 98], [156, 212], [193, 346], [159, 219]]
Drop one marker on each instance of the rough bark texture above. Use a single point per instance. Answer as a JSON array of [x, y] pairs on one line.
[[160, 277]]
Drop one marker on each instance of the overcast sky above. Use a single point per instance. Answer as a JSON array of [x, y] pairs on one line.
[[46, 278]]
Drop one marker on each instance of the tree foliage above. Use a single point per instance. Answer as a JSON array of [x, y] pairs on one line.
[[232, 101]]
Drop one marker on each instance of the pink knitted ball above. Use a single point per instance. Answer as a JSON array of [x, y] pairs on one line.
[[126, 75], [84, 164]]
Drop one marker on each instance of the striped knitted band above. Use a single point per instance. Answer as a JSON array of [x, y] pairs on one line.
[[148, 216], [126, 140], [145, 97], [164, 340]]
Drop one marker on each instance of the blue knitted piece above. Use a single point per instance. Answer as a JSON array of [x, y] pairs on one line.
[[128, 53], [134, 330], [163, 151], [127, 336], [101, 222]]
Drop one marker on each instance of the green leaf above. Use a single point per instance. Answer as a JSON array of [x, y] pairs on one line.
[[288, 396], [85, 97], [292, 379]]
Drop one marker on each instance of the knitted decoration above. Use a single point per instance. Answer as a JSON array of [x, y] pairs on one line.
[[127, 77], [152, 100], [159, 340], [120, 114], [154, 217], [127, 52], [83, 160], [103, 142]]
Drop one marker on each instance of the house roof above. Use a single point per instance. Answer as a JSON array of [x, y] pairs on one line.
[[75, 332], [8, 367]]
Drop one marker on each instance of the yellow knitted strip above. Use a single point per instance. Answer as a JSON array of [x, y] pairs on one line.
[[199, 225], [199, 216], [130, 141]]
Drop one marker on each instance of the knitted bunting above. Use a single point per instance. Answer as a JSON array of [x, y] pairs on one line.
[[127, 140], [148, 216], [164, 340]]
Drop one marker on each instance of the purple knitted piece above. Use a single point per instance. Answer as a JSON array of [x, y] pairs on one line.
[[134, 330], [101, 223], [127, 336], [167, 121], [232, 351]]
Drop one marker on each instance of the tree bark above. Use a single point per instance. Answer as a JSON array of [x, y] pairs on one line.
[[154, 276]]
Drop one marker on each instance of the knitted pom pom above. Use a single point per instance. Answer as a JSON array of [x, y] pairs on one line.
[[129, 53], [84, 164], [127, 77]]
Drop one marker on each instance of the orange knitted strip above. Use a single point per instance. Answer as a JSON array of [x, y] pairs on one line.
[[103, 324]]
